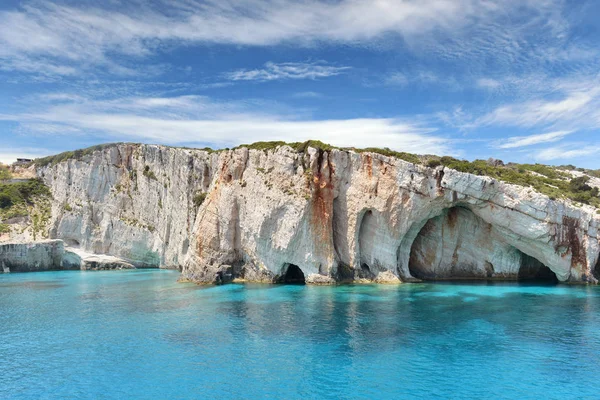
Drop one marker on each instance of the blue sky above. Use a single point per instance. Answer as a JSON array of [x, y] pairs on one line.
[[515, 80]]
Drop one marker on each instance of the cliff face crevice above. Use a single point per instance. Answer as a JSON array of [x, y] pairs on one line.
[[335, 215]]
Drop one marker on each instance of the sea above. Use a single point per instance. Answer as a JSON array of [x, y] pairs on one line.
[[141, 335]]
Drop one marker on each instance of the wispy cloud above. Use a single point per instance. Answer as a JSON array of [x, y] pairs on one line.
[[566, 152], [199, 120], [488, 83], [571, 106], [69, 39], [308, 95], [284, 71], [524, 141], [9, 155], [396, 78]]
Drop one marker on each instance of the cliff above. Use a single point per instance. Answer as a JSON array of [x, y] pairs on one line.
[[25, 257], [317, 215]]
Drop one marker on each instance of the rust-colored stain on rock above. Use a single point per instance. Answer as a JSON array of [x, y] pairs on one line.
[[322, 205]]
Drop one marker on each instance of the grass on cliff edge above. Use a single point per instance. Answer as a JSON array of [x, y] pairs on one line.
[[69, 155], [551, 181], [548, 180], [5, 173], [21, 199], [21, 193]]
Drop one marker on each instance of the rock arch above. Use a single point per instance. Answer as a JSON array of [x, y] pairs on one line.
[[458, 244]]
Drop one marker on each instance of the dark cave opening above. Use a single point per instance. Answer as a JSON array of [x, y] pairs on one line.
[[596, 270], [532, 270], [365, 272], [365, 268], [293, 275]]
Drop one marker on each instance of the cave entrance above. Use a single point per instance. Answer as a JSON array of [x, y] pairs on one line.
[[460, 245], [596, 271], [532, 270], [293, 275]]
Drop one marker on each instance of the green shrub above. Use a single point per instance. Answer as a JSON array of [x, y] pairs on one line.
[[149, 174], [69, 155], [386, 151], [6, 200], [4, 228], [434, 162], [199, 199], [580, 184], [4, 173], [21, 192], [262, 145]]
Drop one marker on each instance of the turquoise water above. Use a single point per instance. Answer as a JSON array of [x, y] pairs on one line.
[[139, 334]]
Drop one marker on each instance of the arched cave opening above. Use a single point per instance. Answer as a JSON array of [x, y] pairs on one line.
[[72, 242], [459, 245], [293, 275], [365, 269], [427, 256], [532, 270], [366, 235], [596, 271], [367, 246]]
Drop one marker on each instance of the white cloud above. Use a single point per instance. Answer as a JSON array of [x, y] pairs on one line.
[[194, 119], [396, 79], [487, 83], [53, 38], [523, 141], [307, 95], [10, 155], [575, 109], [565, 153], [284, 71]]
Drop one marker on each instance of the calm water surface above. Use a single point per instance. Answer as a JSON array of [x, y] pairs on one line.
[[139, 334]]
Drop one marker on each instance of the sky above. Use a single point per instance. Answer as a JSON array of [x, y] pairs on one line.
[[517, 80]]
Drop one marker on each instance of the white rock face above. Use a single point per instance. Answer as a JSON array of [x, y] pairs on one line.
[[45, 255], [24, 257], [133, 202], [337, 215], [77, 259]]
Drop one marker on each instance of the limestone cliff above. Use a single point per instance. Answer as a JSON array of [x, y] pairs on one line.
[[330, 216]]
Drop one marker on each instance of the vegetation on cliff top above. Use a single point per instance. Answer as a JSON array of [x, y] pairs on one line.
[[26, 199], [22, 193], [551, 181], [70, 155], [555, 182], [4, 173]]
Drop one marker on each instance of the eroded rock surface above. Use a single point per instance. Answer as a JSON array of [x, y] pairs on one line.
[[338, 216], [25, 257]]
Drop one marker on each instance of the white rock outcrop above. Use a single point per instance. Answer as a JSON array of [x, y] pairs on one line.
[[336, 215], [43, 255], [48, 255]]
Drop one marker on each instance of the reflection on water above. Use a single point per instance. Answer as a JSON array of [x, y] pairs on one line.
[[139, 334]]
